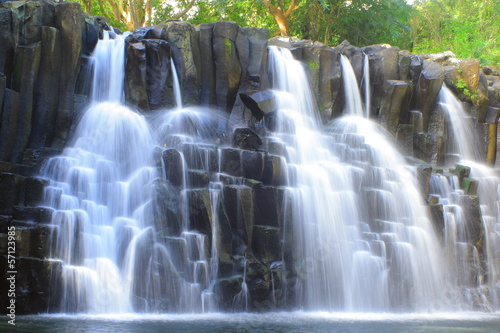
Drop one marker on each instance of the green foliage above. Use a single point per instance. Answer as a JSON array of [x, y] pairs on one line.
[[462, 87], [469, 28]]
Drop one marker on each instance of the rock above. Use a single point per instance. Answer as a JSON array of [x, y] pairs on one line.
[[228, 70], [200, 212], [384, 70], [331, 89], [47, 89], [8, 42], [469, 185], [157, 71], [472, 210], [135, 75], [166, 209], [226, 290], [267, 243], [260, 103], [428, 147], [462, 172], [8, 126], [468, 71], [12, 194], [70, 22], [35, 191], [427, 89], [37, 283], [197, 178], [274, 170], [207, 67], [181, 36], [93, 31], [252, 163], [257, 38], [404, 136], [355, 55], [245, 138], [404, 63], [394, 104], [231, 161], [24, 79], [239, 207], [267, 206], [173, 164]]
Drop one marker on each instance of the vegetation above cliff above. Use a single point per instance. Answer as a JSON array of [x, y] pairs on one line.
[[466, 27]]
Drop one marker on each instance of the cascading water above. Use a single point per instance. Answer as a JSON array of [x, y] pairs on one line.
[[103, 192], [464, 142], [362, 238]]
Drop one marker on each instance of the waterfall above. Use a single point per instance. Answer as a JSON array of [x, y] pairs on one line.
[[464, 141], [366, 84], [177, 87], [362, 239]]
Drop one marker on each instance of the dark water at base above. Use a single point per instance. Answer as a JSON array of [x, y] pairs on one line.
[[271, 322]]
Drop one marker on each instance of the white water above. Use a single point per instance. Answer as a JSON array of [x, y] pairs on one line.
[[362, 239], [465, 143]]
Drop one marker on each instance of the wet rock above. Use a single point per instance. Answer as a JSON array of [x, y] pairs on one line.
[[462, 172], [260, 103], [355, 55], [257, 38], [394, 104], [135, 75], [469, 185], [231, 162], [266, 243], [35, 191], [200, 212], [166, 209], [36, 285], [384, 70], [70, 22], [404, 63], [207, 66], [404, 136], [11, 190], [227, 67], [239, 206], [25, 75], [267, 207], [274, 170], [197, 178], [182, 36], [47, 88], [428, 147], [173, 164], [246, 138], [424, 173], [252, 165], [7, 40], [331, 89], [226, 290], [157, 71], [8, 125], [472, 209], [427, 89]]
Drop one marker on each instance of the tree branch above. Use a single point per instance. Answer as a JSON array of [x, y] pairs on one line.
[[185, 10]]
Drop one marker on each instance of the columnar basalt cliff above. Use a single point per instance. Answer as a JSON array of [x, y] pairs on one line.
[[44, 90]]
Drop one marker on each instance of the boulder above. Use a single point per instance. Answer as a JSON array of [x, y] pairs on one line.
[[394, 104], [246, 138], [331, 89], [260, 103], [427, 89]]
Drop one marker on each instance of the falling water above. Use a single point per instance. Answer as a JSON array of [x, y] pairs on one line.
[[465, 142], [362, 238], [177, 87], [366, 84]]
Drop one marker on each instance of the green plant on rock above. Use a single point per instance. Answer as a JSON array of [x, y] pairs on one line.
[[461, 86]]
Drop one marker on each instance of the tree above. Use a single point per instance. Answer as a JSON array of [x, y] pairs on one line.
[[281, 13], [133, 14], [469, 28]]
